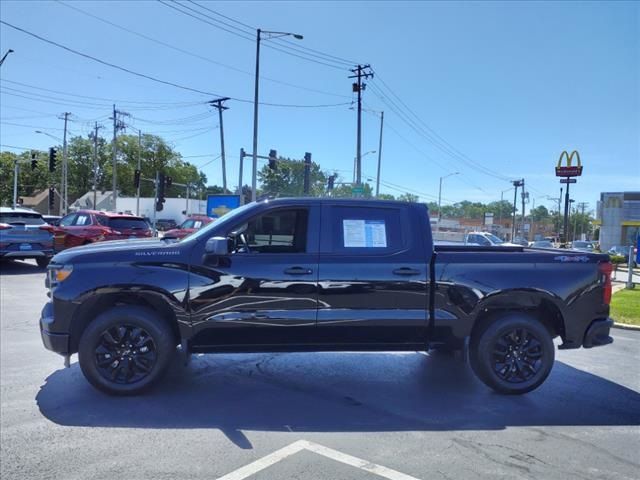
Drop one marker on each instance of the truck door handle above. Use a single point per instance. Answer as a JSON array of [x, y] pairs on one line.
[[298, 271], [406, 271]]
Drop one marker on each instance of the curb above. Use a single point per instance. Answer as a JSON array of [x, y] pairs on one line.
[[625, 326]]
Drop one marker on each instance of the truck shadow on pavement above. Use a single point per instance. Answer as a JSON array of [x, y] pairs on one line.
[[14, 267], [330, 392]]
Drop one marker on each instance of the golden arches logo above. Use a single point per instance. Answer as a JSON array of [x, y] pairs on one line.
[[569, 158], [569, 170]]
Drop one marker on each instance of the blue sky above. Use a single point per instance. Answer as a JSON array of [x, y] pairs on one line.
[[507, 86]]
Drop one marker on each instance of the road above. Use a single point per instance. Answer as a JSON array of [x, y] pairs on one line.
[[360, 416]]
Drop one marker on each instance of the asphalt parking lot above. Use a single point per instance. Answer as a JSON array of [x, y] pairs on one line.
[[307, 416]]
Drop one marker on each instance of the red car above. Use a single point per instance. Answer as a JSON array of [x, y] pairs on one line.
[[88, 226], [190, 225]]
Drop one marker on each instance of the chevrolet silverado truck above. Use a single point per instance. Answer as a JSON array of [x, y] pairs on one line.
[[315, 275]]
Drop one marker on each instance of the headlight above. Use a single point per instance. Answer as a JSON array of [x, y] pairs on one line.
[[58, 274]]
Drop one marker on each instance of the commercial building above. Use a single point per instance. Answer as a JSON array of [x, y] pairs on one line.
[[618, 216]]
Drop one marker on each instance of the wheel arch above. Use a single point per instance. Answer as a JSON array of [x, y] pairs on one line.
[[540, 304], [100, 302]]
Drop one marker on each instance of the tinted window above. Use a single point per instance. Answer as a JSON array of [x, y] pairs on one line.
[[21, 218], [128, 223], [68, 220], [281, 231], [366, 231]]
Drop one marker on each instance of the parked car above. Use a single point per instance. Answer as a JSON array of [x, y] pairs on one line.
[[164, 224], [542, 244], [321, 274], [24, 234], [52, 219], [89, 226], [583, 246], [190, 225], [485, 239], [523, 242]]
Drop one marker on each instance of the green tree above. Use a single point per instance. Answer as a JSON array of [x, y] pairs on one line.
[[408, 197], [540, 214], [386, 196], [287, 180]]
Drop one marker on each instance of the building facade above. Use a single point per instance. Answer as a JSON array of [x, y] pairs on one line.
[[618, 217]]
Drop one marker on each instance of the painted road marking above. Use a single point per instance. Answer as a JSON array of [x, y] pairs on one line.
[[295, 447]]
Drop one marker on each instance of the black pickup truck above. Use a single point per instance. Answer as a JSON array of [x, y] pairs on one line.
[[321, 275]]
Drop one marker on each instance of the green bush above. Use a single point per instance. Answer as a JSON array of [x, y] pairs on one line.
[[617, 259]]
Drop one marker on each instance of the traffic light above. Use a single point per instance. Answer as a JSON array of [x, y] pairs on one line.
[[136, 178], [34, 160], [273, 160], [332, 180], [53, 157], [52, 198], [169, 182], [160, 199]]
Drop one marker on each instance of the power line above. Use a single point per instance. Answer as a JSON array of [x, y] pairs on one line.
[[195, 55], [242, 34], [287, 43]]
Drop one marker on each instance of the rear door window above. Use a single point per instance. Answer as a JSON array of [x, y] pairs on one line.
[[82, 220], [367, 231], [122, 223]]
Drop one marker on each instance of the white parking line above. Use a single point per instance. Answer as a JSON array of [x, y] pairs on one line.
[[295, 447]]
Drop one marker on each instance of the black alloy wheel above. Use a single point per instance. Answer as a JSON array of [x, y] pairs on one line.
[[517, 356], [126, 354], [513, 353]]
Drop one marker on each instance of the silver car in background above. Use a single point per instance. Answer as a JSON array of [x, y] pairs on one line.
[[24, 234]]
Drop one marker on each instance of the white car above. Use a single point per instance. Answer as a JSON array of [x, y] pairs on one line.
[[486, 239]]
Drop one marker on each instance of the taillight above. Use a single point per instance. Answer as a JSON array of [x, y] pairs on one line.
[[605, 269], [48, 228]]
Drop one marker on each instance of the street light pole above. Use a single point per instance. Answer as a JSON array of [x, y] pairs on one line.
[[440, 199], [379, 155], [254, 175]]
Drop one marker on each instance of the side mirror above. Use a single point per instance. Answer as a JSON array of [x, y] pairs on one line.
[[218, 246]]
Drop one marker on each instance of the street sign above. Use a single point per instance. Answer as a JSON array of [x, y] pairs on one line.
[[568, 180], [357, 191]]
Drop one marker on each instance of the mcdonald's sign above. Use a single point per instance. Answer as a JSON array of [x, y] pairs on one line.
[[569, 170]]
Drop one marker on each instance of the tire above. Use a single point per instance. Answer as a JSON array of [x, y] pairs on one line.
[[136, 366], [43, 261], [513, 355]]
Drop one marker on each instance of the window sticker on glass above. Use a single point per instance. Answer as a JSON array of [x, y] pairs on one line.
[[364, 233]]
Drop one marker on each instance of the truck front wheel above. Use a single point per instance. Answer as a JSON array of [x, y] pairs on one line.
[[513, 354], [126, 350]]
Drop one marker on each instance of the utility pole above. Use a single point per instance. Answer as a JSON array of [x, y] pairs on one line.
[[16, 172], [95, 163], [117, 125], [242, 155], [523, 195], [516, 184], [379, 155], [218, 104], [139, 170], [307, 173], [360, 72], [64, 204]]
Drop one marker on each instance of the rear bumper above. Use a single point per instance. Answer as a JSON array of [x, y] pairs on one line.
[[56, 342], [597, 334], [26, 253]]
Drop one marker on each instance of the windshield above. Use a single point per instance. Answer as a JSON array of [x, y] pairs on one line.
[[21, 218], [583, 244], [191, 223], [228, 218], [495, 240]]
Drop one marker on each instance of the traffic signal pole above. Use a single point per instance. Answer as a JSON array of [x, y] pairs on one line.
[[16, 172]]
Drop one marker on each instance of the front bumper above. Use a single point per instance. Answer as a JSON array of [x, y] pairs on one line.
[[56, 342], [597, 334]]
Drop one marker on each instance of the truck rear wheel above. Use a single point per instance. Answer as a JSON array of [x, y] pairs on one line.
[[126, 350], [513, 355]]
